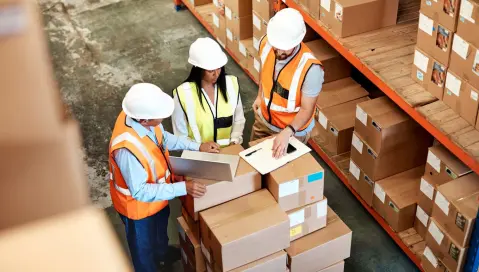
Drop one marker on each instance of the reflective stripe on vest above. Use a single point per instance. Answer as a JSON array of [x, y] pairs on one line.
[[127, 192], [295, 81]]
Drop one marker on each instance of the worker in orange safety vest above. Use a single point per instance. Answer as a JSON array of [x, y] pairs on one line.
[[141, 178], [290, 81]]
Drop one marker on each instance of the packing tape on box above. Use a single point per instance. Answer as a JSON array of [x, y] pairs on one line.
[[427, 189]]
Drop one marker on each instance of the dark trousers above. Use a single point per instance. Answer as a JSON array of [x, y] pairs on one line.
[[147, 240]]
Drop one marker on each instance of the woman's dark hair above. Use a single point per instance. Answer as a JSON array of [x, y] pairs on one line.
[[196, 75]]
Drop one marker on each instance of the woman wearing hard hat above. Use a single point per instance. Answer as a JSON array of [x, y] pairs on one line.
[[208, 103]]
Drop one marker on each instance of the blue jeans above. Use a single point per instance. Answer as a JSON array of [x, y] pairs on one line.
[[148, 240]]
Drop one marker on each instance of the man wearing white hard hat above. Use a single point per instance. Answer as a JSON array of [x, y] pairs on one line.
[[290, 81], [141, 179], [208, 104]]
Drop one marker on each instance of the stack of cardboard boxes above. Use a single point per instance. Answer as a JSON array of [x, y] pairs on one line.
[[446, 59], [387, 160], [46, 212]]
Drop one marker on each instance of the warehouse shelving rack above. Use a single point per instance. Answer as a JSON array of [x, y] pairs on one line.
[[392, 76]]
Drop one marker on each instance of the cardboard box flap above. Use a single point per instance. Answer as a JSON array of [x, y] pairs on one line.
[[468, 205], [250, 214], [298, 168], [77, 241], [384, 112], [461, 191], [451, 161], [403, 188], [278, 256], [335, 228], [339, 92], [187, 232], [391, 118], [342, 116]]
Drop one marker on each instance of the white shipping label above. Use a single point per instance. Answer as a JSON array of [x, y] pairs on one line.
[[354, 169], [13, 20], [427, 189], [436, 233], [216, 3], [338, 12], [434, 161], [361, 115], [453, 84], [216, 20], [466, 11], [357, 144], [323, 120], [256, 43], [322, 208], [460, 46], [379, 192], [422, 216], [205, 252], [296, 218], [421, 61], [242, 49], [326, 4], [183, 254], [228, 13], [474, 95], [256, 22], [430, 257], [442, 203], [256, 64], [426, 24], [289, 188], [229, 34]]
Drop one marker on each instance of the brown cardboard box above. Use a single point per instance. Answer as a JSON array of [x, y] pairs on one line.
[[193, 225], [446, 249], [256, 42], [190, 245], [334, 64], [339, 267], [247, 180], [187, 265], [244, 46], [196, 3], [434, 39], [230, 232], [259, 26], [429, 73], [349, 17], [79, 240], [468, 25], [337, 125], [298, 183], [239, 7], [307, 219], [321, 248], [384, 127], [395, 198], [254, 66], [365, 186], [314, 7], [219, 26], [430, 263], [274, 262], [427, 193], [37, 187], [421, 221], [240, 27], [339, 92], [455, 207], [264, 8], [443, 166], [385, 164], [24, 55], [353, 181], [445, 12], [465, 60], [461, 97]]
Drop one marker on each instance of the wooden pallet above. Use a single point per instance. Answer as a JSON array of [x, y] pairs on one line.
[[414, 241]]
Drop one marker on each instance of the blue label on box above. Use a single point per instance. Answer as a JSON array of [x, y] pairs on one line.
[[428, 2], [315, 177], [463, 19], [420, 75]]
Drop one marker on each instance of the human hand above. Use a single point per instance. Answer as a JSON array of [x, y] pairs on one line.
[[195, 189], [280, 143], [210, 147], [257, 103]]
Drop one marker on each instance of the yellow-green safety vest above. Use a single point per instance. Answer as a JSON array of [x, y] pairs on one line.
[[202, 126]]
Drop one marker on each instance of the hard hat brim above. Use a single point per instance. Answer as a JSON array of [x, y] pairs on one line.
[[282, 44], [166, 106], [211, 66]]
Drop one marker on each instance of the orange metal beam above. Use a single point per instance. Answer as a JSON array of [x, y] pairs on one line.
[[450, 145], [376, 216]]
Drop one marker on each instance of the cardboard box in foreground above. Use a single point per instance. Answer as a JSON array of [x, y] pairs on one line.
[[190, 245], [307, 219], [274, 262], [339, 267]]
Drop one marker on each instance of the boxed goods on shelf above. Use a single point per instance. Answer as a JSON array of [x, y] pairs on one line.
[[247, 180], [434, 39], [465, 60], [430, 263], [298, 183], [446, 12], [219, 26], [472, 263], [443, 166], [429, 73], [456, 206], [196, 3], [307, 219], [239, 27], [468, 24], [263, 8], [321, 248], [336, 66], [361, 183], [190, 246], [395, 198], [461, 97], [231, 232], [259, 26], [339, 92], [239, 8], [421, 221]]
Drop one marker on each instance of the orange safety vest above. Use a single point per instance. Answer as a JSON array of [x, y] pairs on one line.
[[282, 97], [153, 158]]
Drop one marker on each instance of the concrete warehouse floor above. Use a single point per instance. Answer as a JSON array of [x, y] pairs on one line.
[[101, 47]]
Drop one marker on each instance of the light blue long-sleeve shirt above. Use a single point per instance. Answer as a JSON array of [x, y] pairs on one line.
[[136, 176]]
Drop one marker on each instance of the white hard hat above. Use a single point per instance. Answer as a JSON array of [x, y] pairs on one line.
[[286, 29], [207, 54], [147, 101]]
